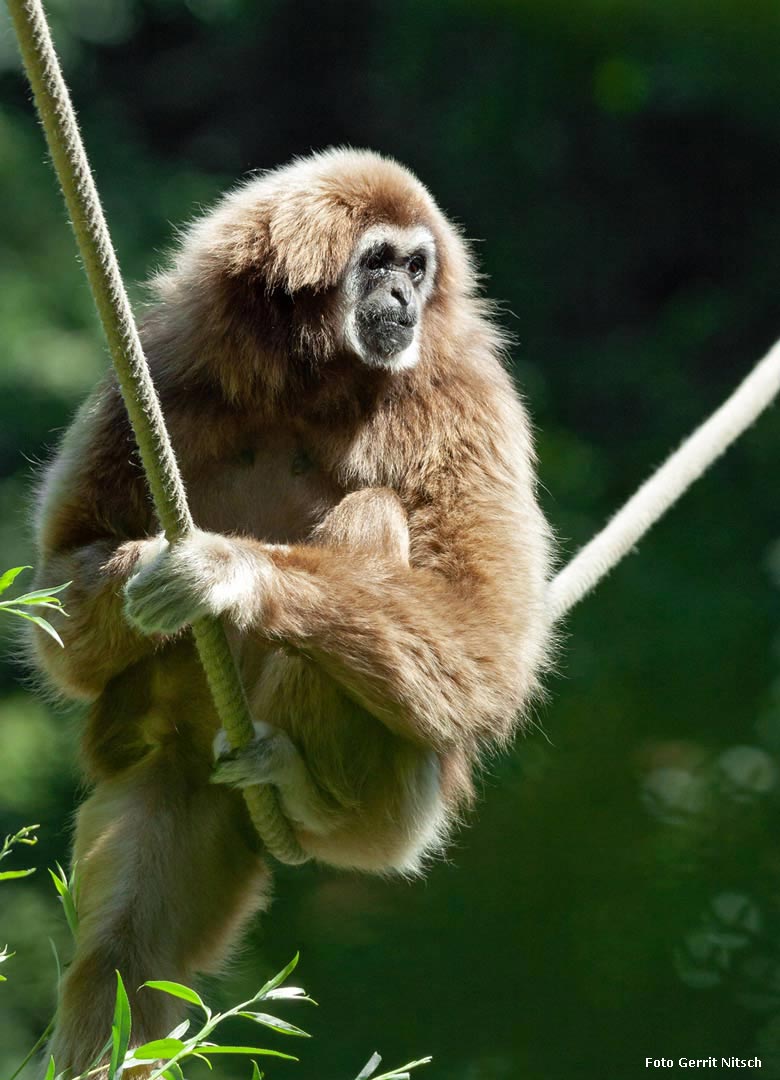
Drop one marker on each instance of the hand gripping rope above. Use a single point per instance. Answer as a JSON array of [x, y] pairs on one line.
[[575, 581]]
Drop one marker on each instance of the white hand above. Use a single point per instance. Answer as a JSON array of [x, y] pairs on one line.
[[202, 574]]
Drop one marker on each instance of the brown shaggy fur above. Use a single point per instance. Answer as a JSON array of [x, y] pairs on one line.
[[405, 626]]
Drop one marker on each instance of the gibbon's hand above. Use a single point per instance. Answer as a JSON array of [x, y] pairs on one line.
[[201, 574]]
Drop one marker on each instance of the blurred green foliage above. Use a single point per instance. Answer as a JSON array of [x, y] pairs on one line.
[[618, 163]]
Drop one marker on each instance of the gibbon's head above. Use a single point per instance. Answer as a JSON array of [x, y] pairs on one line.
[[340, 254]]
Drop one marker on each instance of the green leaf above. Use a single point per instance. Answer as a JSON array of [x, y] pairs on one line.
[[50, 1069], [173, 1072], [42, 596], [402, 1072], [39, 621], [272, 984], [275, 1024], [105, 1049], [370, 1067], [63, 887], [158, 1048], [179, 1030], [288, 993], [120, 1029], [244, 1050], [57, 963], [180, 991], [10, 576], [256, 1074], [10, 875], [26, 836]]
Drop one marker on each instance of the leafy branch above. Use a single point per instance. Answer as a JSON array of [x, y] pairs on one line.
[[166, 1056], [402, 1073], [38, 598], [24, 836]]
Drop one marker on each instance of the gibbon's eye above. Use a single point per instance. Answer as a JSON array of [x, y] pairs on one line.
[[417, 266], [377, 258]]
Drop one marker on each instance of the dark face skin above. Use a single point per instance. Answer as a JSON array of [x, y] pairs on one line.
[[389, 301]]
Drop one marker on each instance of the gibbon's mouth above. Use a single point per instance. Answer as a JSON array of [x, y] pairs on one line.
[[384, 333]]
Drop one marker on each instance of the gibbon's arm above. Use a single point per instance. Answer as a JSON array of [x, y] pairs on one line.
[[93, 501], [445, 654], [438, 661]]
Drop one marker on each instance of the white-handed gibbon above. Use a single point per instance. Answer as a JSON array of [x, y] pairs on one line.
[[362, 476]]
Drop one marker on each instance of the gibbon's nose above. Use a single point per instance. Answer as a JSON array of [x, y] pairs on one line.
[[401, 291]]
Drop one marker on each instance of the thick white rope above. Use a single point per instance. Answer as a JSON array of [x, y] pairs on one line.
[[666, 485]]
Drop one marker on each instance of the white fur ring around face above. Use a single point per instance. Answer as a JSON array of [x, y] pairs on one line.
[[201, 574]]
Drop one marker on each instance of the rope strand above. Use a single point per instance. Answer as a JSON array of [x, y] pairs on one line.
[[59, 122]]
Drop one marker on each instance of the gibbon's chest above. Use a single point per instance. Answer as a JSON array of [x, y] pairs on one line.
[[270, 485]]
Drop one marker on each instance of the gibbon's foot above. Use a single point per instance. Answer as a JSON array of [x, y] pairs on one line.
[[267, 759], [201, 574]]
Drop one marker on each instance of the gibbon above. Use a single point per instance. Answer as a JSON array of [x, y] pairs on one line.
[[361, 472]]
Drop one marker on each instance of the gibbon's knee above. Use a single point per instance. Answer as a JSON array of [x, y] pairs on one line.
[[373, 520]]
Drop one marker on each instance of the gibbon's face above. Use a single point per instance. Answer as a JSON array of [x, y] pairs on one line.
[[386, 288]]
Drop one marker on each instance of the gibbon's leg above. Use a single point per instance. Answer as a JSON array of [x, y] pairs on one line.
[[371, 520], [167, 874]]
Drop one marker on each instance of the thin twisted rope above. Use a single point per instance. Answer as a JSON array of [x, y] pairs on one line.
[[754, 394], [58, 118]]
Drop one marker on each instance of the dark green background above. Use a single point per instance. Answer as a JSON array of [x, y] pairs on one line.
[[619, 165]]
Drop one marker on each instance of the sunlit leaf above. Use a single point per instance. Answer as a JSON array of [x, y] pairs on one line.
[[402, 1073], [275, 1024], [25, 836], [158, 1048], [120, 1029], [288, 993], [63, 887], [42, 596], [271, 985], [370, 1067], [180, 991], [244, 1050], [7, 579], [256, 1074], [9, 875], [39, 621], [50, 1069]]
